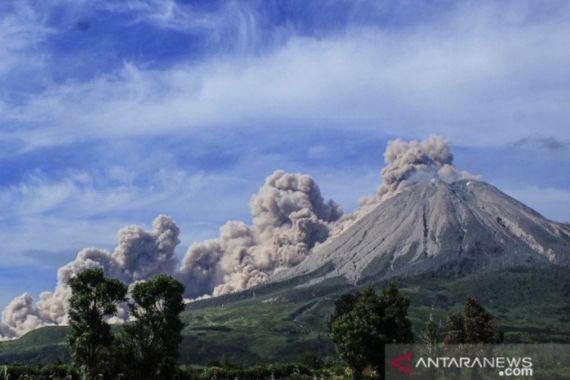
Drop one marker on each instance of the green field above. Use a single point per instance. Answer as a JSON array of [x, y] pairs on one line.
[[279, 322]]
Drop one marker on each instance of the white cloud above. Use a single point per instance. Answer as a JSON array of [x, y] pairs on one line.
[[21, 32], [471, 78]]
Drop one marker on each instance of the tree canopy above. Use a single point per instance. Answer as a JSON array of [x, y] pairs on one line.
[[362, 323], [472, 326], [94, 298], [146, 347], [150, 343]]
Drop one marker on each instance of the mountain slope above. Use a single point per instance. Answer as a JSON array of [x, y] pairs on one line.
[[434, 224], [440, 242], [278, 322]]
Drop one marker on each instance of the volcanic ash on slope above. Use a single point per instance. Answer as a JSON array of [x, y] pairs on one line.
[[436, 223]]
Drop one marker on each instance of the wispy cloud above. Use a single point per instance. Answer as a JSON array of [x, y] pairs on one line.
[[82, 210], [549, 144], [462, 79], [21, 33]]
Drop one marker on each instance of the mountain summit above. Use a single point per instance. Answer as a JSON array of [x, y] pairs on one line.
[[467, 224]]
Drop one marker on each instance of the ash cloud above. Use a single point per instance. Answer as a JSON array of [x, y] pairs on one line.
[[139, 255], [290, 221], [19, 317], [407, 163], [411, 162], [290, 217]]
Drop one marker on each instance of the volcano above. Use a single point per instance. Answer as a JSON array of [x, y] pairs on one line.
[[468, 224], [439, 242]]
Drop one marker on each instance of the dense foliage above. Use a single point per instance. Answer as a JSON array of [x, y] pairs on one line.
[[363, 323], [531, 305], [149, 344], [214, 340], [49, 372], [474, 325], [145, 348], [431, 333], [94, 298], [283, 371]]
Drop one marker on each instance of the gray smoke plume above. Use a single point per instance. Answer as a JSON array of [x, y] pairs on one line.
[[142, 254], [290, 217], [5, 331], [290, 221], [139, 255], [19, 317], [200, 267], [406, 164]]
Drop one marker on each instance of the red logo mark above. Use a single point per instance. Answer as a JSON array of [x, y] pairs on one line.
[[405, 367]]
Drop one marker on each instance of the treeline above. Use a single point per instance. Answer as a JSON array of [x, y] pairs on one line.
[[48, 372], [304, 368], [363, 323], [146, 347], [276, 371]]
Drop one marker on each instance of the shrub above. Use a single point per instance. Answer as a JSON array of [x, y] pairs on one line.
[[48, 372]]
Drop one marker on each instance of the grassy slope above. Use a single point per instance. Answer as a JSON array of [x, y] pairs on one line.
[[45, 345], [279, 322]]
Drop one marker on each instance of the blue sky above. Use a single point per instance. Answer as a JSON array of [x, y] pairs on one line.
[[112, 112]]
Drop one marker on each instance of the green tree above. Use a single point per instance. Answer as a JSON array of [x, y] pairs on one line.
[[475, 325], [93, 299], [479, 324], [455, 329], [363, 323], [311, 360], [149, 345], [431, 333]]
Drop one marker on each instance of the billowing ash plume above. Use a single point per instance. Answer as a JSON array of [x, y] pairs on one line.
[[5, 332], [406, 164], [290, 217], [139, 255], [20, 316]]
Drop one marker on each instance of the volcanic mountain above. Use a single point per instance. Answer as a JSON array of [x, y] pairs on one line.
[[440, 242], [468, 224]]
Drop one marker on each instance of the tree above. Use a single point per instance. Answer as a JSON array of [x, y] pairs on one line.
[[475, 325], [311, 360], [430, 340], [150, 343], [93, 299], [430, 336], [479, 324], [455, 329], [363, 323]]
